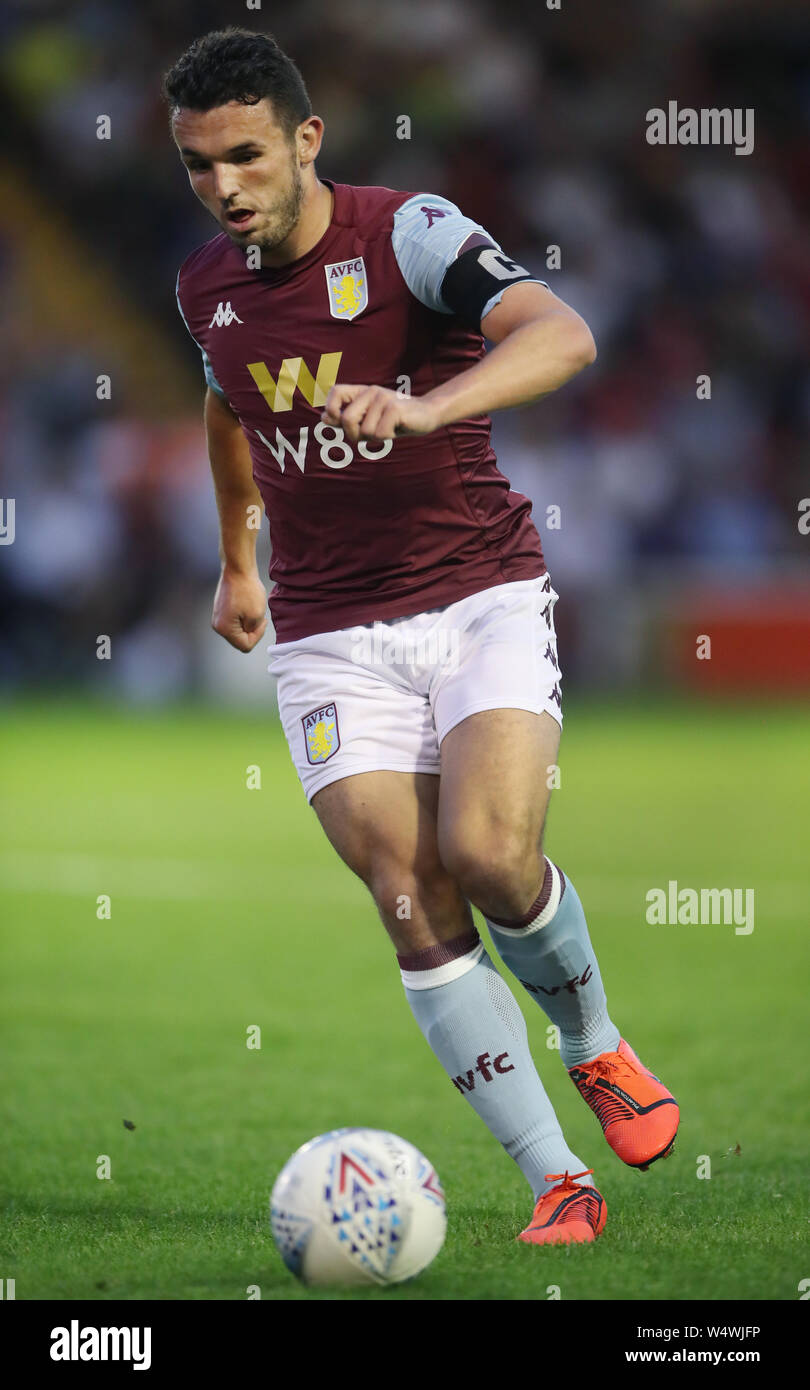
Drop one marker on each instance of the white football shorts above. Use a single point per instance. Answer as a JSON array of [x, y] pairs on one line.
[[383, 696]]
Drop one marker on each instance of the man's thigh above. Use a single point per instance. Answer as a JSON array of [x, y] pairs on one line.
[[362, 737], [502, 655], [496, 778], [383, 826], [498, 716], [345, 712]]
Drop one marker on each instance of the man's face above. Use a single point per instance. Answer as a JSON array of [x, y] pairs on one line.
[[244, 169]]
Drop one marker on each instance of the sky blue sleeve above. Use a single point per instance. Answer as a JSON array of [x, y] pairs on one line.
[[208, 372], [207, 368], [427, 235]]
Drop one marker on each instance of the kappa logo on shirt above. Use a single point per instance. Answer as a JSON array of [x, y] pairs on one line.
[[432, 214], [347, 287], [224, 316]]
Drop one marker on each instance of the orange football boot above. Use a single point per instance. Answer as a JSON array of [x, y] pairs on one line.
[[638, 1115], [570, 1213]]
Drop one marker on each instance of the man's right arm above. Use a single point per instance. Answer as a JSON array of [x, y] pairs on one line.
[[240, 602]]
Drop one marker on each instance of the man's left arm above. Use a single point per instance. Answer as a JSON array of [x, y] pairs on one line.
[[540, 344]]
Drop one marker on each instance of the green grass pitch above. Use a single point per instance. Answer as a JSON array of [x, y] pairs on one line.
[[229, 909]]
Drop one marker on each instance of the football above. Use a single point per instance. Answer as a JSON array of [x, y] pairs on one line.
[[357, 1206]]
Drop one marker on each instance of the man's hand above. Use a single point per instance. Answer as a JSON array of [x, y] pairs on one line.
[[374, 412], [240, 609]]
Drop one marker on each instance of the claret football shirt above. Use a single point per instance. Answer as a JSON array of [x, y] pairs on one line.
[[373, 530]]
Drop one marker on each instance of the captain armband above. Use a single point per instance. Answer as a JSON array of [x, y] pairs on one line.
[[475, 277]]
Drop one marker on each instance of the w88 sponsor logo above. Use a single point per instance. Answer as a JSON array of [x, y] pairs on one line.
[[331, 446]]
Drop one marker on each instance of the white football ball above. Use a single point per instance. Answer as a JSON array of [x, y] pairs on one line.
[[357, 1206]]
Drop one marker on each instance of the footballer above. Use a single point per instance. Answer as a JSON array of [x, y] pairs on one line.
[[348, 393]]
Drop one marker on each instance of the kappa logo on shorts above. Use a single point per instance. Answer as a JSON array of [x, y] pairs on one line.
[[322, 733]]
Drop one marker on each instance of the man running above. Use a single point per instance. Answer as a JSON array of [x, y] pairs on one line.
[[349, 392]]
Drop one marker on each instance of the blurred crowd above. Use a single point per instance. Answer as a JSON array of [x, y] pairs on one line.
[[687, 262]]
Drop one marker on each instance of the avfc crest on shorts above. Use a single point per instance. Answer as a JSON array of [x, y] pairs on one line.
[[347, 287], [321, 733]]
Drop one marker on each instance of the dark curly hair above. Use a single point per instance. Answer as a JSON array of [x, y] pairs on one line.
[[238, 65]]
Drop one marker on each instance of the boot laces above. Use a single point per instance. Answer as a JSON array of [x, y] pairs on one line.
[[566, 1179], [608, 1069]]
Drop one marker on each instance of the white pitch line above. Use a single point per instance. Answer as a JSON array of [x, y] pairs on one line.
[[31, 871]]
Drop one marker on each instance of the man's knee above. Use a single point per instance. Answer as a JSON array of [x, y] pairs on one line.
[[496, 867], [417, 904]]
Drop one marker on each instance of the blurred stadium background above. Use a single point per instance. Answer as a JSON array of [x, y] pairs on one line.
[[679, 516]]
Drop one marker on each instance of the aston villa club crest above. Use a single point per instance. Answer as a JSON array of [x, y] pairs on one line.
[[321, 733], [347, 287]]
